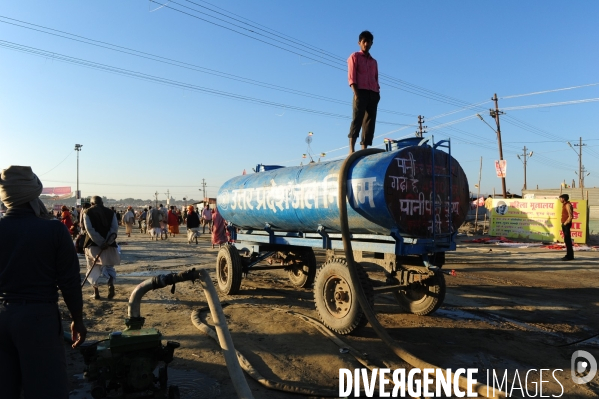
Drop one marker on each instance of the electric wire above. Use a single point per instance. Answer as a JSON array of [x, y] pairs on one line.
[[548, 91], [45, 173], [329, 54], [269, 31], [182, 64], [424, 92], [469, 106], [587, 100], [156, 79], [159, 187], [391, 82], [247, 35]]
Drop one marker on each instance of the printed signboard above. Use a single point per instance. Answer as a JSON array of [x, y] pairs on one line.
[[538, 220], [501, 168]]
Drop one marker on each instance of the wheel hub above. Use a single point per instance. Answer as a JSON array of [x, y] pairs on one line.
[[224, 271], [337, 295]]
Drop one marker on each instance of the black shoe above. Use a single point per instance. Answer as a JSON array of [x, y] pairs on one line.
[[567, 258]]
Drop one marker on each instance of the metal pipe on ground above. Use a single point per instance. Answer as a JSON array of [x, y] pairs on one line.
[[135, 321]]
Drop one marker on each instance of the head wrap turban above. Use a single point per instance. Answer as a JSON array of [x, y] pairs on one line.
[[19, 185], [190, 208]]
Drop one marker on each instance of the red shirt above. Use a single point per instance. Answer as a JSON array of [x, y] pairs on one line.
[[362, 70]]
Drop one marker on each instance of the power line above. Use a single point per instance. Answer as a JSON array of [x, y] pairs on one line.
[[268, 30], [308, 94], [588, 100], [45, 173], [390, 81], [549, 91], [129, 185], [409, 86], [156, 79], [246, 35], [181, 64]]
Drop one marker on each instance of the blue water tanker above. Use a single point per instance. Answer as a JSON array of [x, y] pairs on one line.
[[393, 190], [404, 206]]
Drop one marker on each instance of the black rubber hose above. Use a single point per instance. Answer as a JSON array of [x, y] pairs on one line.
[[481, 389]]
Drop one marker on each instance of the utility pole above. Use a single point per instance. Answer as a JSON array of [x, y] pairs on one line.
[[525, 155], [168, 198], [78, 193], [495, 114], [421, 128], [204, 189], [480, 170], [156, 196], [581, 170], [580, 167]]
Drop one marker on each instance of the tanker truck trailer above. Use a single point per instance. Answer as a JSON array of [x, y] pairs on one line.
[[404, 207]]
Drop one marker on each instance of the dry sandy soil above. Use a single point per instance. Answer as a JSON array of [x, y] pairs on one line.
[[508, 308]]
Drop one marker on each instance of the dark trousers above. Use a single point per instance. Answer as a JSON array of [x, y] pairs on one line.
[[32, 355], [568, 240], [206, 223], [364, 115]]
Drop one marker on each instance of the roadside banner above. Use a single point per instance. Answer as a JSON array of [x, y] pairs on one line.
[[501, 168], [477, 202], [536, 219], [56, 190]]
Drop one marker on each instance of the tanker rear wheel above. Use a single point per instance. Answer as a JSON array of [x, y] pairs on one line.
[[336, 301], [423, 298], [228, 270], [301, 274]]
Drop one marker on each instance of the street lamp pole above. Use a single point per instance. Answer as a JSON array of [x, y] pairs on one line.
[[78, 194]]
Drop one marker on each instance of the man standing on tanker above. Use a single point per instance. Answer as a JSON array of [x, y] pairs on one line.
[[363, 77]]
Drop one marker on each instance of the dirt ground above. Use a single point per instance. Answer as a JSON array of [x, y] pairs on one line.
[[508, 308]]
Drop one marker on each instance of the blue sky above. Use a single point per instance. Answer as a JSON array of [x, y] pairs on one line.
[[140, 136]]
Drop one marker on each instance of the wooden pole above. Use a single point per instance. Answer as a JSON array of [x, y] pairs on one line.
[[485, 223]]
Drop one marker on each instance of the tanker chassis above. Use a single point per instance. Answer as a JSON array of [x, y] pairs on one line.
[[404, 206]]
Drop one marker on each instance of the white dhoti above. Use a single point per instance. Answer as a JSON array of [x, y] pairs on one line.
[[192, 234], [105, 264], [155, 231]]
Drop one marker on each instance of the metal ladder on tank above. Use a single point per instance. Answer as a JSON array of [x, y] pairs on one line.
[[440, 237]]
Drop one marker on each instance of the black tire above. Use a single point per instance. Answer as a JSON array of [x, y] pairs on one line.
[[228, 270], [423, 298], [173, 392], [303, 272], [336, 301]]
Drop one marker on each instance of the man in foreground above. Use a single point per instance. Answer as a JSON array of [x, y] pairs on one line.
[[37, 257]]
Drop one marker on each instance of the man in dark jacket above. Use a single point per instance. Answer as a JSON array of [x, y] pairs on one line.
[[193, 225], [100, 245], [37, 257]]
